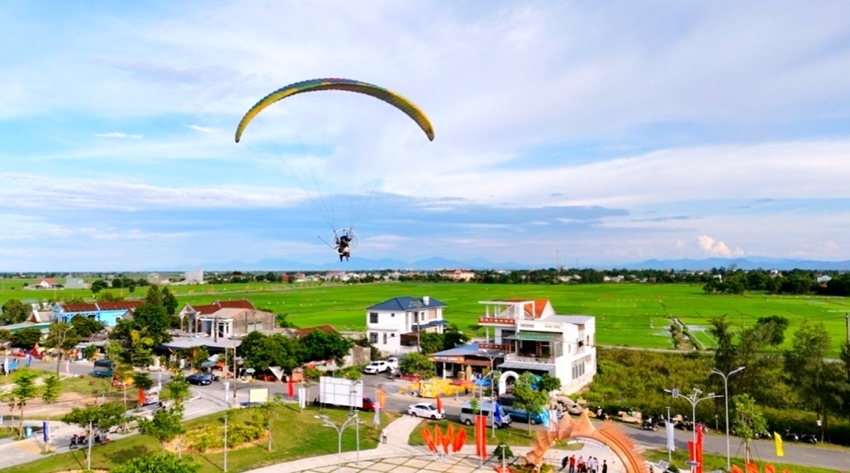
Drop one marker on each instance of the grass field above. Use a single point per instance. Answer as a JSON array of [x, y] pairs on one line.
[[295, 435], [627, 314]]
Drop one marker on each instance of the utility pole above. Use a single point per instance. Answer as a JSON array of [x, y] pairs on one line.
[[235, 401], [225, 443], [90, 440]]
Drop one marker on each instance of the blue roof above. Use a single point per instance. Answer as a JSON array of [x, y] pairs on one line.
[[468, 349], [407, 303]]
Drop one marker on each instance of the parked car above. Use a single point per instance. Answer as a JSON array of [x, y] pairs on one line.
[[199, 379], [521, 415], [425, 409], [393, 362], [375, 367], [368, 404]]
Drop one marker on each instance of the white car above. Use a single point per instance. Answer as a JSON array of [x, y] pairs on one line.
[[376, 367], [393, 362], [425, 409]]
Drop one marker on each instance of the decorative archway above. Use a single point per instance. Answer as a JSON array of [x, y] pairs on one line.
[[609, 434], [503, 381]]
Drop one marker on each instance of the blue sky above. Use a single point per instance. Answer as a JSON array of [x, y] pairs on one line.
[[606, 133]]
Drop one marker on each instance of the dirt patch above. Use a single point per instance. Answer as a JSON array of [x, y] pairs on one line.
[[66, 402], [173, 445]]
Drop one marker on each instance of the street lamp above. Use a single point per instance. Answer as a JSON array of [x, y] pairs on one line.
[[726, 392], [694, 399], [351, 418], [353, 393], [494, 391]]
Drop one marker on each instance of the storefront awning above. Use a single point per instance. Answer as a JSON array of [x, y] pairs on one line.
[[526, 366], [534, 336]]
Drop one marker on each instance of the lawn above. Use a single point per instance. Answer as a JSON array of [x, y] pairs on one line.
[[713, 462], [630, 314], [295, 435]]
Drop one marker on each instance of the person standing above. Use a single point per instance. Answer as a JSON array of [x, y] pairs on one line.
[[564, 462], [573, 464], [604, 466]]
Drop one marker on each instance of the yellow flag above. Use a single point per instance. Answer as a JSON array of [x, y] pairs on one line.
[[778, 439]]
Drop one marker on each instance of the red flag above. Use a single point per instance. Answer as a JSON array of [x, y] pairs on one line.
[[768, 468], [141, 396], [737, 469], [381, 397], [438, 436], [481, 435], [692, 450], [700, 436], [439, 404], [752, 467], [290, 388], [459, 439]]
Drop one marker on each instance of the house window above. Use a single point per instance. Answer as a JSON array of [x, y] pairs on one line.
[[373, 317], [259, 326], [373, 337], [385, 339], [251, 327]]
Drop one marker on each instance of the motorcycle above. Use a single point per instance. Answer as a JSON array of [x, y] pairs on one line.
[[647, 425], [809, 438], [83, 440], [790, 436]]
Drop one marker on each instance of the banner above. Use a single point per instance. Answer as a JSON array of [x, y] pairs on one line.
[[290, 388], [381, 398], [302, 397], [700, 436], [439, 406], [45, 429], [752, 468], [780, 452], [737, 469], [768, 468], [671, 444], [481, 435]]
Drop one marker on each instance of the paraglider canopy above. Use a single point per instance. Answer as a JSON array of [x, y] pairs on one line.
[[396, 100]]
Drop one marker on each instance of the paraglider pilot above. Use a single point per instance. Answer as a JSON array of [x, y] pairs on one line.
[[343, 243]]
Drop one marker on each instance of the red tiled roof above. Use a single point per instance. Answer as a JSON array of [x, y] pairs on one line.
[[115, 305], [236, 304], [304, 331], [206, 309], [538, 306], [50, 281], [85, 307]]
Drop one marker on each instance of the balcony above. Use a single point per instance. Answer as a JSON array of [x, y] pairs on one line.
[[497, 320], [513, 357], [492, 346]]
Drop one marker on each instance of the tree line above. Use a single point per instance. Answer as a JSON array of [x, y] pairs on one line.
[[794, 388]]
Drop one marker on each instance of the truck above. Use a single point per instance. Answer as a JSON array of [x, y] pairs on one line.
[[103, 369]]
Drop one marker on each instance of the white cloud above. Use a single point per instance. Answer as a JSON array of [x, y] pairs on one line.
[[713, 247], [116, 134], [202, 129]]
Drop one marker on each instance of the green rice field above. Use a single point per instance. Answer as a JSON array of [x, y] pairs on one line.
[[627, 314]]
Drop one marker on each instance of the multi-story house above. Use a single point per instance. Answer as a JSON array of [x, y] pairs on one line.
[[535, 338], [396, 323]]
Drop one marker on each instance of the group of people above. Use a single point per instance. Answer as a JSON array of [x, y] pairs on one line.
[[579, 465]]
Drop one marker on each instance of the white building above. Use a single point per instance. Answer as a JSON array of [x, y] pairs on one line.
[[535, 338], [194, 277], [393, 324]]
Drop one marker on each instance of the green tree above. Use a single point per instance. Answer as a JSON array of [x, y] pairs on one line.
[[177, 390], [199, 356], [153, 296], [418, 364], [747, 420], [453, 337], [262, 351], [142, 380], [320, 345], [270, 411], [102, 417], [26, 338], [528, 398], [98, 286], [169, 301], [86, 326], [282, 321], [52, 389], [164, 426], [162, 463], [548, 383], [15, 312], [805, 364], [113, 350], [430, 342], [23, 391], [62, 337]]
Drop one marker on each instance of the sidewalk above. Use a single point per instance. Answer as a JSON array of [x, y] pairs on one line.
[[400, 457]]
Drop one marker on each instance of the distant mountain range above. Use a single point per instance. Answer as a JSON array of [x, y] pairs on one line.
[[361, 264]]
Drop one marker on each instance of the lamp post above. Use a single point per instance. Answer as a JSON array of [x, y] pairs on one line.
[[668, 425], [491, 357], [353, 393], [726, 392], [352, 418], [694, 399]]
